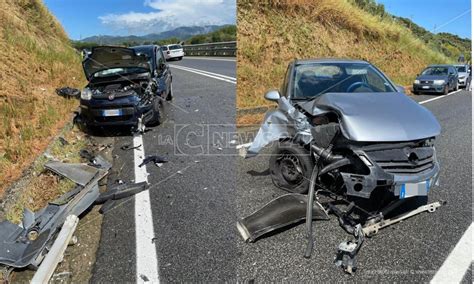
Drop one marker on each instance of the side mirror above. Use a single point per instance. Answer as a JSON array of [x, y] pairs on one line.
[[273, 95], [400, 89]]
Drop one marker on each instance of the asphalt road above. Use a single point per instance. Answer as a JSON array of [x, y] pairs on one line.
[[192, 197], [411, 251]]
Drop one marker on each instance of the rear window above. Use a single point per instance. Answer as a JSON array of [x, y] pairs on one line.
[[176, 46]]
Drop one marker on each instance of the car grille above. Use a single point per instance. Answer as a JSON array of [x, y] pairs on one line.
[[426, 82], [405, 161]]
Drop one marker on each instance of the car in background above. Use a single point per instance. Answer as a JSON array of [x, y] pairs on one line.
[[173, 51], [463, 75], [126, 86], [436, 79]]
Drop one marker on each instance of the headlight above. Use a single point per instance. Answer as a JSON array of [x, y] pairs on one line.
[[86, 94], [461, 77], [416, 82], [439, 82]]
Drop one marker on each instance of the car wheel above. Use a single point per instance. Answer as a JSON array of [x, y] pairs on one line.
[[181, 58], [446, 90], [415, 92], [169, 96], [457, 86], [156, 117], [290, 167]]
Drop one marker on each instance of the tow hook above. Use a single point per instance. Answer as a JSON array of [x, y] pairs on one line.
[[347, 251]]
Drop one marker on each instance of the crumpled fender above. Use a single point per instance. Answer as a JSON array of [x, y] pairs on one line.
[[284, 122]]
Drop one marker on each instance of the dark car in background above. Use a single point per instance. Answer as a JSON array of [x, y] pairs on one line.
[[463, 75], [126, 86], [436, 79]]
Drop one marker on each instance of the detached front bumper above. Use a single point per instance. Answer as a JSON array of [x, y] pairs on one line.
[[404, 172], [428, 88], [118, 112]]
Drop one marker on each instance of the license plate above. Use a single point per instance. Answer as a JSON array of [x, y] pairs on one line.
[[425, 87], [414, 189], [112, 112]]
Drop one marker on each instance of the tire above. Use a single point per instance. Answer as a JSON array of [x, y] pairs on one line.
[[457, 86], [156, 117], [169, 96], [180, 58], [416, 93], [290, 167], [446, 90]]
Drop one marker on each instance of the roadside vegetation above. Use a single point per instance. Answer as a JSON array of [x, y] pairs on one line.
[[324, 28], [226, 33], [36, 59]]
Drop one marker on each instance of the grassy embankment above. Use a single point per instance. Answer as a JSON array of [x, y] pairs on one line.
[[271, 33], [36, 57]]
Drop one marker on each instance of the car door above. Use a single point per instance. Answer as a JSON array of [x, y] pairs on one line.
[[163, 73]]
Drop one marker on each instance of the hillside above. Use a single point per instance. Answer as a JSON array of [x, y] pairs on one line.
[[36, 58], [324, 28], [181, 33]]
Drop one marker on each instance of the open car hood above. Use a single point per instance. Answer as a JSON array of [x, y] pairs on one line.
[[107, 57], [377, 117]]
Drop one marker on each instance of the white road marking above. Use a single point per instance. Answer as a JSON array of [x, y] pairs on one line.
[[458, 261], [147, 261], [440, 97], [209, 58], [207, 74]]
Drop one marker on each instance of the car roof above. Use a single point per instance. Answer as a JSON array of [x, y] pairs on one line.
[[328, 60], [441, 65], [144, 47]]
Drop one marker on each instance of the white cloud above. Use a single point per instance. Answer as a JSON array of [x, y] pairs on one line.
[[172, 14]]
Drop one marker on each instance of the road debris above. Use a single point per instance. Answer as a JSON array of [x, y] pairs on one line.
[[129, 147], [26, 245], [157, 160], [29, 244], [68, 92]]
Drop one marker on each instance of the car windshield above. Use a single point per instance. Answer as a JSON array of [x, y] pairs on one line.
[[119, 71], [440, 71], [461, 69], [315, 79], [176, 46]]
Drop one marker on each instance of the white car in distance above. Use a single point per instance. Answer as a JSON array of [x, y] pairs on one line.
[[173, 51]]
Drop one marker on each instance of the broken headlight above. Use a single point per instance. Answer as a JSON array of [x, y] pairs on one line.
[[86, 94]]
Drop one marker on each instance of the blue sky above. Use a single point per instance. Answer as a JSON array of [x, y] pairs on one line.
[[452, 16], [83, 18]]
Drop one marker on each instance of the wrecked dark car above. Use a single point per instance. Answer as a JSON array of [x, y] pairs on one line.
[[126, 86], [342, 129]]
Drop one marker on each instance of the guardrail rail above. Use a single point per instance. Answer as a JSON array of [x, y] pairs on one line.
[[211, 49]]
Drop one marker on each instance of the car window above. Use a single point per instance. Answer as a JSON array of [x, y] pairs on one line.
[[435, 71], [315, 79], [461, 69], [176, 46], [159, 59], [164, 48]]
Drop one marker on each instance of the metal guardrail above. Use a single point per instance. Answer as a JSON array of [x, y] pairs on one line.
[[211, 49]]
